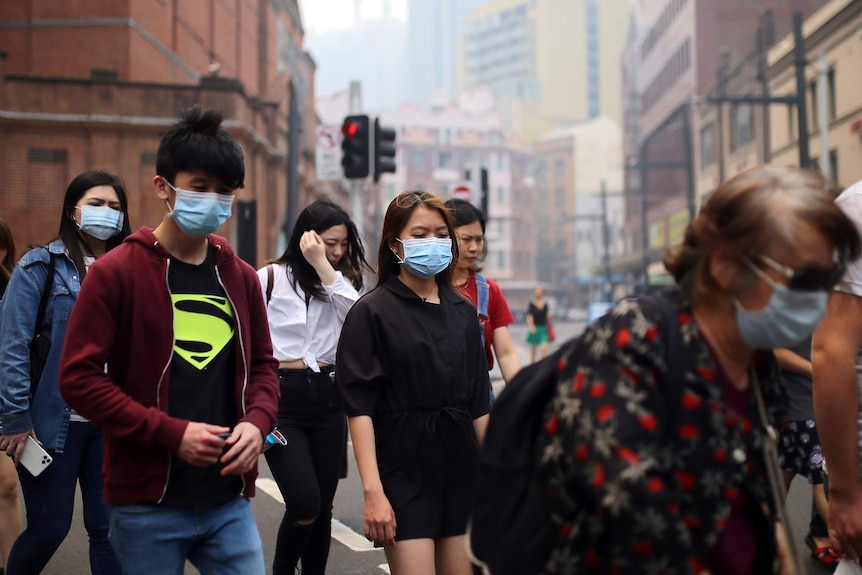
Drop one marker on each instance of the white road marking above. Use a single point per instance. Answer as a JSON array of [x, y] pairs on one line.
[[340, 532], [385, 567]]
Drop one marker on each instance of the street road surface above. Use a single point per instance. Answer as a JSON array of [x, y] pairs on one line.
[[351, 553]]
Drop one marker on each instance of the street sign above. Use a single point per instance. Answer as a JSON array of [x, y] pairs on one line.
[[463, 191], [328, 153]]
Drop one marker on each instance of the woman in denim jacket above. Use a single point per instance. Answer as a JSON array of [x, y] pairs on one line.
[[94, 219]]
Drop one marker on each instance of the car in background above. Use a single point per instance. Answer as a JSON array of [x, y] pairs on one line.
[[597, 309]]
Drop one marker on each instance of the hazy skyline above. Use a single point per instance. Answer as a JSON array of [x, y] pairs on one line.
[[322, 16]]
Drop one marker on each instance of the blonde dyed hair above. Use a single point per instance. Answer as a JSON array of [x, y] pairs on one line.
[[758, 212]]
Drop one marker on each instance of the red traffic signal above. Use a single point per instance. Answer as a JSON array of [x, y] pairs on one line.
[[356, 147]]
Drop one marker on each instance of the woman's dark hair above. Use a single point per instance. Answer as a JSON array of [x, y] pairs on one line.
[[465, 214], [320, 216], [759, 212], [8, 242], [197, 142], [69, 232], [397, 215]]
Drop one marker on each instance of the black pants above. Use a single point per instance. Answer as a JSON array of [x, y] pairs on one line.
[[307, 468]]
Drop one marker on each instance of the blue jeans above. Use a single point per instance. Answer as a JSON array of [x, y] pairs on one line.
[[49, 501], [221, 540]]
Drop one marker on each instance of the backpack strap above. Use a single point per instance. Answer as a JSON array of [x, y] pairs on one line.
[[482, 291], [270, 279], [660, 307]]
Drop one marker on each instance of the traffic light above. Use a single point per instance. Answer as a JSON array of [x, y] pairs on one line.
[[356, 147], [384, 150]]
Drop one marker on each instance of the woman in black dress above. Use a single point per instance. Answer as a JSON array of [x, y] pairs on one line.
[[412, 373]]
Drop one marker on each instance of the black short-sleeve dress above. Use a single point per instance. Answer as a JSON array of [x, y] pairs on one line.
[[418, 369]]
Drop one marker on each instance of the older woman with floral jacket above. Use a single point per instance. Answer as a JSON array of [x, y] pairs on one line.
[[644, 481]]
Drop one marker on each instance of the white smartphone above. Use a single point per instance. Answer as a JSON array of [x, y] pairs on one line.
[[34, 458]]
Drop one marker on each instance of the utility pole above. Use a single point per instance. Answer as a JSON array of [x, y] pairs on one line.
[[801, 106], [822, 97], [606, 243]]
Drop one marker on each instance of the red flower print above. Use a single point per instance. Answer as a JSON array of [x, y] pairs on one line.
[[686, 480], [683, 318], [551, 426], [626, 372], [622, 338], [721, 524], [605, 413], [598, 475], [582, 452], [688, 432], [642, 547], [691, 401], [720, 455], [655, 485], [561, 365], [593, 561], [648, 422], [730, 493], [691, 522], [628, 455], [565, 529], [695, 564], [706, 373], [651, 333], [579, 382], [598, 389], [745, 423]]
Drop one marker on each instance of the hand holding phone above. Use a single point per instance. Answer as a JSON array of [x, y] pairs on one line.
[[34, 458]]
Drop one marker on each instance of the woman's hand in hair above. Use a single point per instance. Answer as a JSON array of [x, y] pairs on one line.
[[314, 251]]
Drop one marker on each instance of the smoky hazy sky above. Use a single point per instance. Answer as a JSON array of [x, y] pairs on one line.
[[319, 16]]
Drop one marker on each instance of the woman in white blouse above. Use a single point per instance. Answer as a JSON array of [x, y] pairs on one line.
[[309, 290]]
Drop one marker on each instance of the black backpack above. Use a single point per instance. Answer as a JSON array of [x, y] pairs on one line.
[[510, 527]]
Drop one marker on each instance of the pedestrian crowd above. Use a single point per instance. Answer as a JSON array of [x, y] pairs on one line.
[[661, 440]]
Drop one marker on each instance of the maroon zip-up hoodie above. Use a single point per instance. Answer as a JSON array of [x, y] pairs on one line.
[[123, 318]]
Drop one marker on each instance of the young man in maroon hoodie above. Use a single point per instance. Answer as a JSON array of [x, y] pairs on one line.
[[168, 350]]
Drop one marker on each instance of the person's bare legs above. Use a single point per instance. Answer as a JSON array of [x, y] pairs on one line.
[[412, 557], [452, 558], [822, 505], [10, 510], [532, 354], [544, 349]]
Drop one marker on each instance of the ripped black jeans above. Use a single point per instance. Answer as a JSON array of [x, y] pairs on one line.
[[307, 469]]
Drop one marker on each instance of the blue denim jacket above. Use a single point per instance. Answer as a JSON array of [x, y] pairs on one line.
[[47, 413]]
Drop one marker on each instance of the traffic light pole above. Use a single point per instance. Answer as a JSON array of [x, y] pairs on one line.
[[357, 206]]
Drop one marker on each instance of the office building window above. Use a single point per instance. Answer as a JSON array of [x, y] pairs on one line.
[[707, 145], [814, 111], [41, 156], [419, 160], [444, 160], [741, 126], [830, 82], [501, 195]]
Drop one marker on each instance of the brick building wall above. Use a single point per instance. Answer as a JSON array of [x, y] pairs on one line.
[[90, 84]]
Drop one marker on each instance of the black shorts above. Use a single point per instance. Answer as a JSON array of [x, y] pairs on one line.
[[799, 450], [432, 496]]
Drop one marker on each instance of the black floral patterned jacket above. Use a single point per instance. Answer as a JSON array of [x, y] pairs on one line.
[[628, 494]]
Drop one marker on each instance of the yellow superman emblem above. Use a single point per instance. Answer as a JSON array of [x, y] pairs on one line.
[[203, 326]]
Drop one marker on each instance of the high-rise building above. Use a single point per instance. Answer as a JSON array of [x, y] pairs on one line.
[[550, 63], [434, 27]]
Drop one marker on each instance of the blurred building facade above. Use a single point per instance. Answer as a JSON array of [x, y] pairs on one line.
[[573, 166], [550, 63], [674, 56], [90, 85], [833, 46]]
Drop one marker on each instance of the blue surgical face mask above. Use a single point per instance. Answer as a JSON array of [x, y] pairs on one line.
[[101, 222], [789, 317], [426, 257], [199, 213]]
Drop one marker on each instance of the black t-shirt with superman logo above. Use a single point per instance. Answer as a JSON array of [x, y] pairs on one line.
[[201, 377]]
